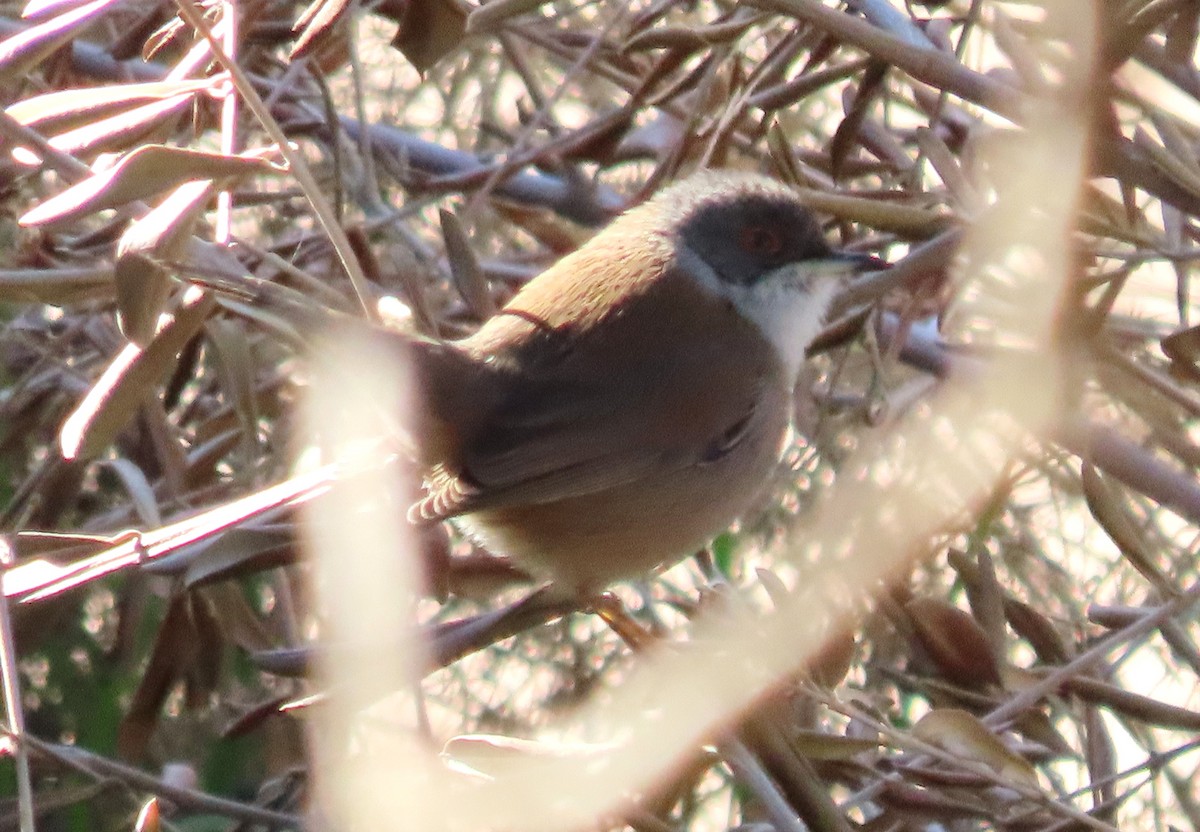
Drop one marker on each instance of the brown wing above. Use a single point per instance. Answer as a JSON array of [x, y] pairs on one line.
[[539, 448], [659, 388]]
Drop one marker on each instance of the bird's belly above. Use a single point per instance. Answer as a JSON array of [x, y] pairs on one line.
[[587, 542]]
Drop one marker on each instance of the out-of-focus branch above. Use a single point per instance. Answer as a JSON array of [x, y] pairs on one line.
[[1112, 453]]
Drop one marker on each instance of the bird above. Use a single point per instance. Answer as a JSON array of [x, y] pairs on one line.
[[631, 402]]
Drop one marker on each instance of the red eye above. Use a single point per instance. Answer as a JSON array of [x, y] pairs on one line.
[[761, 240]]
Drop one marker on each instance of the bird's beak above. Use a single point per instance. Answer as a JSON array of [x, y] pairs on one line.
[[859, 262], [837, 266]]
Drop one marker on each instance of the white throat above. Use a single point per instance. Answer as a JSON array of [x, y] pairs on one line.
[[788, 305]]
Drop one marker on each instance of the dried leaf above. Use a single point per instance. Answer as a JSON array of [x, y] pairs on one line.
[[143, 173], [925, 803], [783, 95], [1038, 630], [25, 50], [203, 458], [142, 290], [1133, 705], [166, 229], [663, 66], [56, 286], [175, 648], [846, 135], [1037, 726], [690, 81], [142, 283], [1114, 518], [598, 140], [954, 641], [1101, 756], [817, 745], [235, 369], [63, 110], [559, 235], [232, 554], [131, 378], [316, 24], [689, 39], [117, 132], [464, 267], [787, 166], [962, 734], [906, 220], [141, 493], [946, 164], [430, 30]]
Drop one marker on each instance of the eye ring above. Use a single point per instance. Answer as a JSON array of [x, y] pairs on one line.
[[761, 240]]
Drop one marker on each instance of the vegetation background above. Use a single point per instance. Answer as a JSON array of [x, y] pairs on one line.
[[971, 603]]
